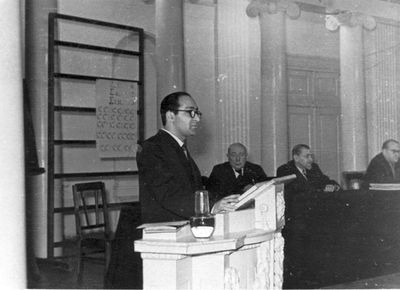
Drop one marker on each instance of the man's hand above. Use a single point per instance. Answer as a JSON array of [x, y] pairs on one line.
[[225, 204], [331, 187]]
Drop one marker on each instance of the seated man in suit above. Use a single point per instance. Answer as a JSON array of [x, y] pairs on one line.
[[168, 176], [309, 176], [384, 167], [234, 176], [309, 183]]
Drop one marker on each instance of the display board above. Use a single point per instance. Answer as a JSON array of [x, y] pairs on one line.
[[117, 120]]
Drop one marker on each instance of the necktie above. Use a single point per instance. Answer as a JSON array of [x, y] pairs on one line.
[[239, 171], [184, 148], [305, 173], [393, 169]]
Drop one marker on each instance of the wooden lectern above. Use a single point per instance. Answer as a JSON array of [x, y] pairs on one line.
[[245, 251]]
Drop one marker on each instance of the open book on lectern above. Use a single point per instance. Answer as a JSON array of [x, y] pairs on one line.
[[258, 188]]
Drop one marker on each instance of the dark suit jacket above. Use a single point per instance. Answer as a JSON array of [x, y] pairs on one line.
[[223, 182], [167, 180], [379, 171], [316, 180]]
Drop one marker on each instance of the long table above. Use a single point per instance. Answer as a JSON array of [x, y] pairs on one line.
[[331, 238]]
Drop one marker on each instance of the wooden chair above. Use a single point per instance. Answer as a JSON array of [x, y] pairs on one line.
[[92, 224]]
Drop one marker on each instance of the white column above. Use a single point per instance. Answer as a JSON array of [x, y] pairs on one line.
[[12, 226], [352, 97], [274, 122], [36, 55], [170, 52], [352, 88], [274, 91]]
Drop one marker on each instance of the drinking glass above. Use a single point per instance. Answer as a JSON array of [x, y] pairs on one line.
[[203, 223]]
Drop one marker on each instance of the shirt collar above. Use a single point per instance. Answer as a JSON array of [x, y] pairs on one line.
[[237, 173], [180, 142]]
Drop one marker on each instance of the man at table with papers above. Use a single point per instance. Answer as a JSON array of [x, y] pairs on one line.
[[384, 167]]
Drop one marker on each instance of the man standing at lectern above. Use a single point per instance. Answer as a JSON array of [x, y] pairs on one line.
[[168, 176]]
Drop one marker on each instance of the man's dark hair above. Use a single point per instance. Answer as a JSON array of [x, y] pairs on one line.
[[171, 103], [385, 144], [297, 149]]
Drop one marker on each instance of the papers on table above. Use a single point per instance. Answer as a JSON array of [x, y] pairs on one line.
[[384, 186], [166, 227], [166, 231]]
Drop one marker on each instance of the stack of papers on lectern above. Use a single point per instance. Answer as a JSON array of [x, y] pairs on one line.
[[258, 188], [384, 186], [252, 193], [166, 230]]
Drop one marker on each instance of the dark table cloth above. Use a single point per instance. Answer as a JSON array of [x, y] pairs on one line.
[[125, 269], [332, 238]]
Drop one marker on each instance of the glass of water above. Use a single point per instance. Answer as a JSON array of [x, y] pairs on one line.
[[203, 223]]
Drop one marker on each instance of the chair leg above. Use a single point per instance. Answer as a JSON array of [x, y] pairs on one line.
[[107, 256], [79, 265], [80, 270]]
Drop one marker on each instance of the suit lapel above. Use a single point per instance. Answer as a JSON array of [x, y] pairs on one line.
[[299, 175], [176, 153], [188, 165], [195, 173], [388, 169], [230, 173]]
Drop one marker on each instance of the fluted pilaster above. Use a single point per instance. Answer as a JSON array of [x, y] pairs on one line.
[[233, 75], [382, 85]]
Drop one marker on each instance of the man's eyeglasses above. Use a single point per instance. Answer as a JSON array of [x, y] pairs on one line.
[[192, 112], [234, 155]]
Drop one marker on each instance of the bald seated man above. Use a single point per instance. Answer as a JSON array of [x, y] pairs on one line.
[[234, 176], [384, 167]]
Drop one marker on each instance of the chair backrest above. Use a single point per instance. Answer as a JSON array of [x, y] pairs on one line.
[[352, 179], [90, 207]]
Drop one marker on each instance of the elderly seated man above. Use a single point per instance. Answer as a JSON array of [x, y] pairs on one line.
[[234, 176], [385, 166]]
